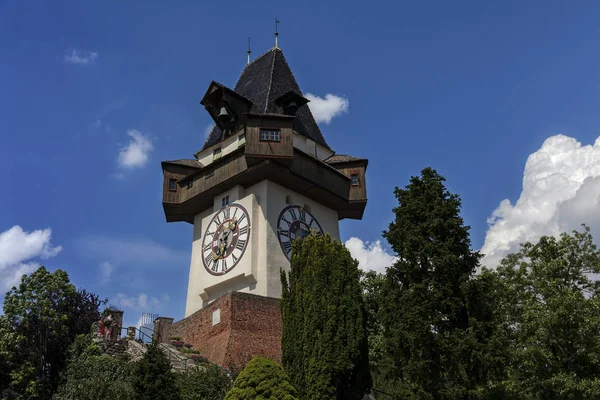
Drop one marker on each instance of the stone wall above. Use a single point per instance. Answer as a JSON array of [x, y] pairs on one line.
[[231, 330]]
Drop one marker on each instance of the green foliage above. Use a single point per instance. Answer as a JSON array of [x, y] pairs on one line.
[[262, 379], [205, 382], [188, 351], [551, 310], [91, 376], [372, 285], [41, 318], [428, 340], [153, 378], [324, 340]]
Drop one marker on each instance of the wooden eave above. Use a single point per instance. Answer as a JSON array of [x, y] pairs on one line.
[[289, 176]]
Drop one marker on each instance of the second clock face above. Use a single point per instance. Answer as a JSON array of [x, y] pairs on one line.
[[225, 239], [295, 223]]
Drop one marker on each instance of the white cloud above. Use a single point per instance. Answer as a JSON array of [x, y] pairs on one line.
[[139, 302], [106, 271], [18, 248], [131, 251], [136, 153], [325, 109], [561, 190], [80, 57], [97, 124], [370, 255]]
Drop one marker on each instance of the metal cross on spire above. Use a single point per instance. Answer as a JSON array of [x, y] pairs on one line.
[[276, 33]]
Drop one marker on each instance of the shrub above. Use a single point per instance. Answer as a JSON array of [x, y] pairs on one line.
[[262, 379]]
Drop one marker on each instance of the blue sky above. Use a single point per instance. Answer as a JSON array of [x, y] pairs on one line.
[[478, 91]]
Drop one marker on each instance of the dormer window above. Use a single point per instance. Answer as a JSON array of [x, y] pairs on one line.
[[241, 140], [216, 154], [173, 185], [190, 183], [270, 135], [354, 178], [225, 201]]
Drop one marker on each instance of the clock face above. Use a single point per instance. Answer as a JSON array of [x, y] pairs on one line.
[[295, 223], [225, 239]]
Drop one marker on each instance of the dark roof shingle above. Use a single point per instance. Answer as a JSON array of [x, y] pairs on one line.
[[185, 163], [263, 81], [342, 158]]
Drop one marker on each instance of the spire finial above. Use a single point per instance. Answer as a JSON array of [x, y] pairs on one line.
[[249, 51], [276, 33]]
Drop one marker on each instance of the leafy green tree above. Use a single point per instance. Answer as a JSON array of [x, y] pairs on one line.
[[551, 310], [153, 378], [372, 287], [41, 319], [92, 376], [262, 379], [324, 343], [205, 382], [425, 311]]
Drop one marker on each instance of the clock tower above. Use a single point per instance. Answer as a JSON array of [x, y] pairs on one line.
[[264, 177]]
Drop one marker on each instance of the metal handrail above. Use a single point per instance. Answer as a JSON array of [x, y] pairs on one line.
[[181, 359], [158, 337]]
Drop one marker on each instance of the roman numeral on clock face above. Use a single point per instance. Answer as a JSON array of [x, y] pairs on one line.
[[287, 246], [302, 215], [228, 225], [242, 218]]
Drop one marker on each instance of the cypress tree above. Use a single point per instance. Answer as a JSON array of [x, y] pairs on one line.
[[153, 378], [425, 311], [325, 350]]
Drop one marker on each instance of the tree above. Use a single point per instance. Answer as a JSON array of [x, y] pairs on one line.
[[372, 286], [324, 343], [425, 312], [41, 319], [205, 382], [92, 376], [262, 379], [552, 314], [153, 378]]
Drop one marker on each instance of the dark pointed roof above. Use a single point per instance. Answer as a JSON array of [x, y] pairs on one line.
[[263, 81]]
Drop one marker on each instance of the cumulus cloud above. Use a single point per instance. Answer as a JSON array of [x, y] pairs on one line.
[[80, 57], [561, 190], [370, 255], [325, 109], [18, 249], [137, 151], [106, 271]]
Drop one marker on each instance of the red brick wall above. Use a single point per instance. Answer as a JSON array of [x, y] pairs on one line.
[[250, 325]]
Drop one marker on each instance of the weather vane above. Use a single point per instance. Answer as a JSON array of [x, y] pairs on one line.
[[276, 33]]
